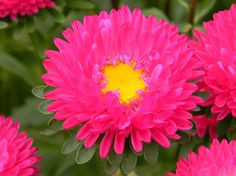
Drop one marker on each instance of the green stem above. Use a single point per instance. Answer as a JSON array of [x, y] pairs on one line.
[[192, 10]]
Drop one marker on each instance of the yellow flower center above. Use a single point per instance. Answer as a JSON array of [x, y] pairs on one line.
[[125, 79]]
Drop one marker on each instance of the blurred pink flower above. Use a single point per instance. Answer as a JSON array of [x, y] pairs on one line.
[[17, 156], [13, 8], [219, 160], [205, 124], [121, 75], [217, 49]]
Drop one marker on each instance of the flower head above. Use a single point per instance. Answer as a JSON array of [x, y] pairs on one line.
[[218, 160], [17, 156], [13, 8], [205, 124], [217, 50], [121, 75]]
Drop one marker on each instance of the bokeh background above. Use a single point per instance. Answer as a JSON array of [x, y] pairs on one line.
[[22, 45]]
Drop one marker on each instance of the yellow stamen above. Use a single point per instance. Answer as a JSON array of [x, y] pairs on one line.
[[125, 79]]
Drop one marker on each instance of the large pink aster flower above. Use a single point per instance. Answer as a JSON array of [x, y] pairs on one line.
[[17, 156], [122, 75], [217, 49], [205, 124], [13, 8], [219, 160]]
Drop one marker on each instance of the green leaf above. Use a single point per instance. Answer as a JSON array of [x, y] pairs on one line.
[[29, 25], [128, 162], [11, 64], [55, 124], [183, 3], [110, 169], [84, 155], [70, 145], [204, 95], [39, 43], [38, 91], [83, 5], [186, 28], [57, 15], [3, 24], [43, 107], [28, 115], [223, 126], [203, 9], [151, 152], [113, 158], [48, 132], [19, 31], [155, 12], [53, 127]]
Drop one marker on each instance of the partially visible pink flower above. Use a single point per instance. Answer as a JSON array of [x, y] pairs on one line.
[[13, 8], [205, 124], [218, 160], [122, 75], [17, 156], [216, 47]]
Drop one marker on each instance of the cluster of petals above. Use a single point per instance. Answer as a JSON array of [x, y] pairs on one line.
[[206, 124], [17, 156], [156, 48], [13, 8], [216, 47], [218, 160]]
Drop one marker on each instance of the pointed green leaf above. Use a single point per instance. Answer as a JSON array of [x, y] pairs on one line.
[[84, 155], [110, 169], [183, 3], [128, 162], [11, 64], [70, 145], [39, 43], [55, 124], [151, 152], [155, 12], [19, 31], [29, 25], [38, 91], [48, 132], [203, 8], [113, 158], [57, 15], [43, 107]]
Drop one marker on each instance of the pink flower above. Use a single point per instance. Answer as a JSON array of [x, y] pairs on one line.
[[217, 50], [17, 156], [205, 124], [122, 75], [218, 160], [13, 8]]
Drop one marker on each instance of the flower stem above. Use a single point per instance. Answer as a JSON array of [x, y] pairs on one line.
[[192, 10]]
